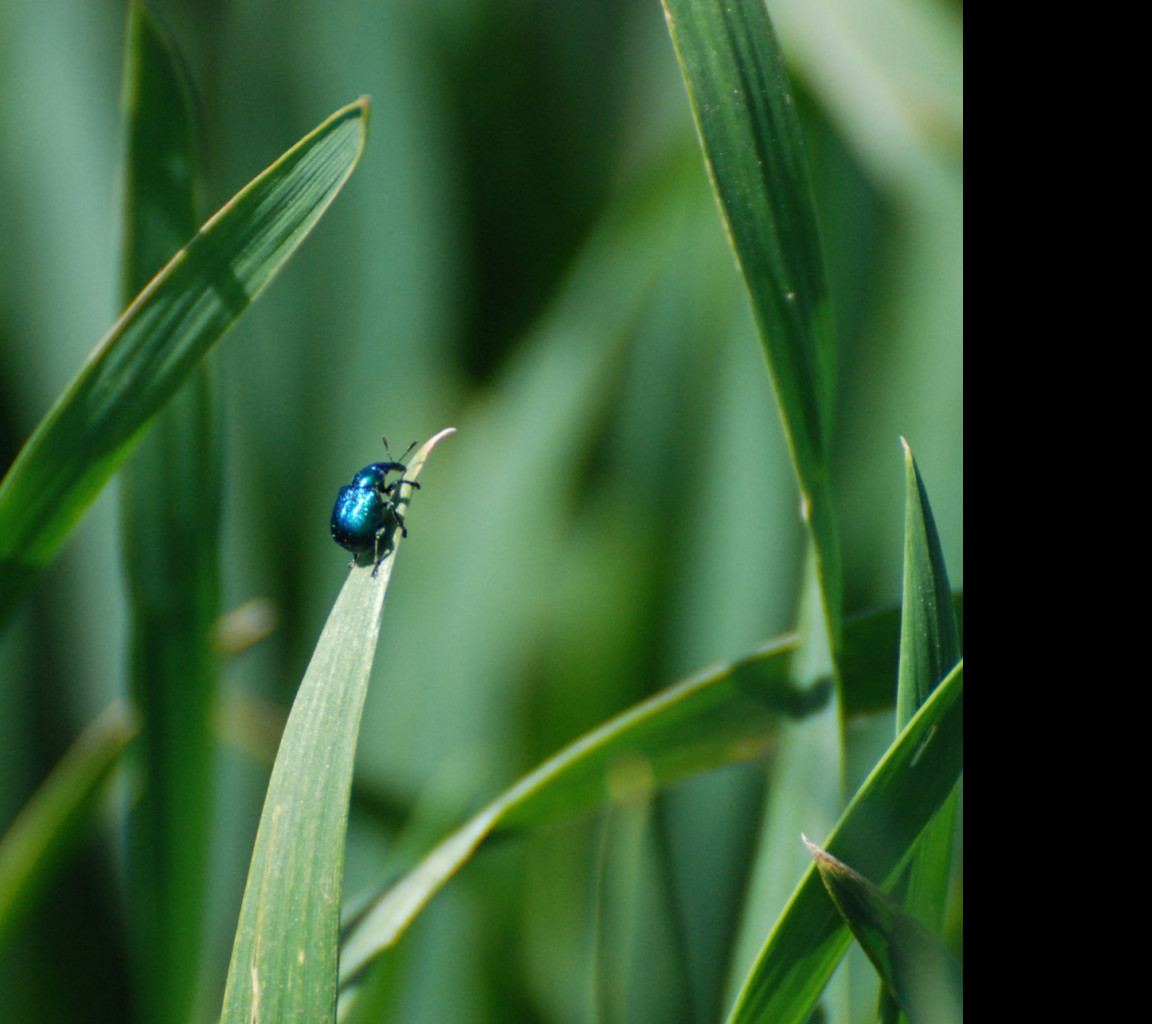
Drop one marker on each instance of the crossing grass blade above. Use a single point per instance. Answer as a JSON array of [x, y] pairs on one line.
[[151, 349], [876, 834], [929, 645], [723, 714], [918, 972]]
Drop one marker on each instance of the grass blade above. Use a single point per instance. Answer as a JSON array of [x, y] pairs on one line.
[[723, 714], [40, 836], [917, 970], [929, 644], [160, 165], [152, 348], [754, 150], [806, 790], [758, 164], [876, 833], [929, 641], [284, 960], [170, 500]]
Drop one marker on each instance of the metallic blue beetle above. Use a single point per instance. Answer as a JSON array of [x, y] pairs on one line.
[[367, 512]]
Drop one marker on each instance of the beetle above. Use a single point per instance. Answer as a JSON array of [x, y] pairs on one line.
[[367, 511]]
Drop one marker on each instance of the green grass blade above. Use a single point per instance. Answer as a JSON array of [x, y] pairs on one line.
[[917, 970], [154, 345], [39, 838], [876, 834], [929, 641], [929, 645], [160, 172], [758, 164], [284, 959], [806, 791], [170, 498], [724, 713]]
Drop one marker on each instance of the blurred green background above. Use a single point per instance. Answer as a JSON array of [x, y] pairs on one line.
[[528, 251]]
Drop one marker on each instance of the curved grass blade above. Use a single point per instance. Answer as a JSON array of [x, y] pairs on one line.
[[722, 714], [758, 164], [876, 833], [917, 970], [157, 341], [284, 959], [41, 835], [725, 713]]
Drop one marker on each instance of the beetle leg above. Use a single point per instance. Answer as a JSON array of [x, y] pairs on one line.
[[399, 521]]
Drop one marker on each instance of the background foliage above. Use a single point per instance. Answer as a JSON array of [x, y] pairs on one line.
[[529, 250]]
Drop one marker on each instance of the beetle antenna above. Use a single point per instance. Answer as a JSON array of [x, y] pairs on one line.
[[407, 452]]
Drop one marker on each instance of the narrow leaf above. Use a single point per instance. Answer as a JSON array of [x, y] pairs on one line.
[[41, 835], [806, 788], [160, 172], [170, 498], [284, 959], [929, 643], [755, 152], [877, 833], [916, 969], [154, 345]]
